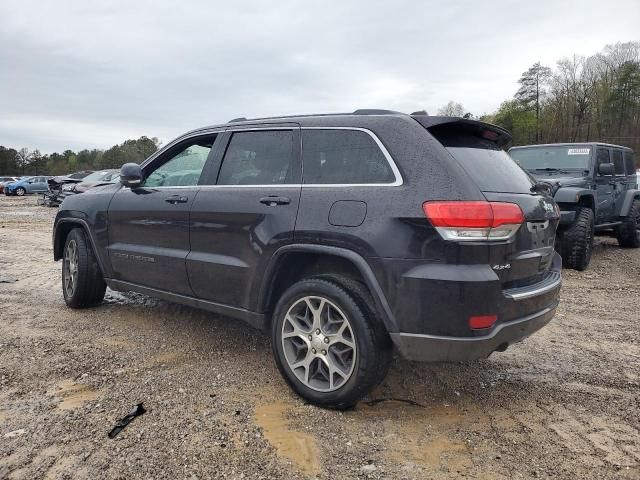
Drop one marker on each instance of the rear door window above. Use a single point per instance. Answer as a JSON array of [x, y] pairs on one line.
[[258, 158], [618, 162], [343, 157], [630, 165]]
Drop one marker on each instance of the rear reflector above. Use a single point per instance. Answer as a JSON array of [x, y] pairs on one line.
[[482, 321], [474, 220]]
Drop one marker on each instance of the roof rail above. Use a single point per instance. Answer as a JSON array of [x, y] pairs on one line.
[[239, 119], [375, 111]]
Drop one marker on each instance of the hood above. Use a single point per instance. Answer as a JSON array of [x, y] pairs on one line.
[[62, 180], [561, 179], [15, 183], [84, 186]]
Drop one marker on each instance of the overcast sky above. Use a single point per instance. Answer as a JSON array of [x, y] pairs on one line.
[[81, 74]]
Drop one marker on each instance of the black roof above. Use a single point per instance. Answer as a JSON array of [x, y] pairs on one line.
[[358, 118]]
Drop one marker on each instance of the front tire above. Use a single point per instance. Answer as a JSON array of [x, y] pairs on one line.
[[629, 232], [20, 191], [82, 282], [577, 240], [328, 344]]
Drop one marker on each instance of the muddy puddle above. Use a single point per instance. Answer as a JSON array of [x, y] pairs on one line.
[[425, 435], [298, 447], [73, 395]]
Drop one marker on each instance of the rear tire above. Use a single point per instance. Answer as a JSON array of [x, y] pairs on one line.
[[82, 282], [629, 232], [317, 310], [577, 240]]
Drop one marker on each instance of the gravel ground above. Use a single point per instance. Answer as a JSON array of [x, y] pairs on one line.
[[563, 404]]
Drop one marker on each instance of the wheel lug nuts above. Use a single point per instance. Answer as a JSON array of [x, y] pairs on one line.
[[310, 337], [324, 352], [326, 340], [318, 331], [313, 350]]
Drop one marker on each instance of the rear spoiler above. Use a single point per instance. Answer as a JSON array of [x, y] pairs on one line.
[[462, 132]]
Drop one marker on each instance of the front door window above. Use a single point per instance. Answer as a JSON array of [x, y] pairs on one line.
[[183, 167]]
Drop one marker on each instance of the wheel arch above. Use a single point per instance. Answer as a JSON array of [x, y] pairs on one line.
[[625, 205], [62, 229], [576, 197], [294, 262]]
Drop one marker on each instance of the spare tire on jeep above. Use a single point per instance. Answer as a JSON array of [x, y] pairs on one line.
[[576, 242]]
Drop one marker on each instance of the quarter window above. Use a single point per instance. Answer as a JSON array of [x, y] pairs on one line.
[[343, 157], [182, 165], [258, 158], [618, 163]]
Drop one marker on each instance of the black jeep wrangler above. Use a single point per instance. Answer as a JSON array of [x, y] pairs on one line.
[[595, 185], [341, 235]]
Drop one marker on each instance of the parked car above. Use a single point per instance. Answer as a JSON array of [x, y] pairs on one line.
[[93, 180], [55, 183], [340, 235], [52, 198], [26, 185], [595, 185], [5, 180]]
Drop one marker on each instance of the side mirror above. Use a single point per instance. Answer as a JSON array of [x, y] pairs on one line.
[[606, 169], [130, 175]]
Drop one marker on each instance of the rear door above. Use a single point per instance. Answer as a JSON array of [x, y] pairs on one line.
[[149, 225], [245, 213], [605, 199]]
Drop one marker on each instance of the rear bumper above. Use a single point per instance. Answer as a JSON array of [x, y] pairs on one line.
[[434, 348]]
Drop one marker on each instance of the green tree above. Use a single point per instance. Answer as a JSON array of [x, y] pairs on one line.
[[23, 157], [8, 161], [532, 87]]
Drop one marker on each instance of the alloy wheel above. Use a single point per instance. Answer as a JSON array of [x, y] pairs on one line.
[[318, 343], [70, 268]]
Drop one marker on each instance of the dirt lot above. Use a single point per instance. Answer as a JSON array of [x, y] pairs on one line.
[[563, 404]]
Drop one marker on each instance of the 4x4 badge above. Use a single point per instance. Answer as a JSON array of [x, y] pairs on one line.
[[506, 266]]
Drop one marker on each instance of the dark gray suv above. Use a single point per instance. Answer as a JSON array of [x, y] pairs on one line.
[[595, 185], [341, 235]]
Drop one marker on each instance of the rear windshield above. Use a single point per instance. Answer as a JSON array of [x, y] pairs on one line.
[[493, 170], [567, 157]]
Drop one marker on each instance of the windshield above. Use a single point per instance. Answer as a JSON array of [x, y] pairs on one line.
[[98, 176], [567, 157]]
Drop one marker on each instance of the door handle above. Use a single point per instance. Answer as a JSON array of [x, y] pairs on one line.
[[174, 199], [273, 200]]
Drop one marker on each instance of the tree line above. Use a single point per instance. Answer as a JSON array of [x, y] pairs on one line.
[[595, 98], [32, 162], [582, 99]]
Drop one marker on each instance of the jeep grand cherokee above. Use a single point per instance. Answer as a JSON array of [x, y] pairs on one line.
[[341, 235]]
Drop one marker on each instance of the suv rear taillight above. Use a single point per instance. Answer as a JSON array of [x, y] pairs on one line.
[[469, 221]]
